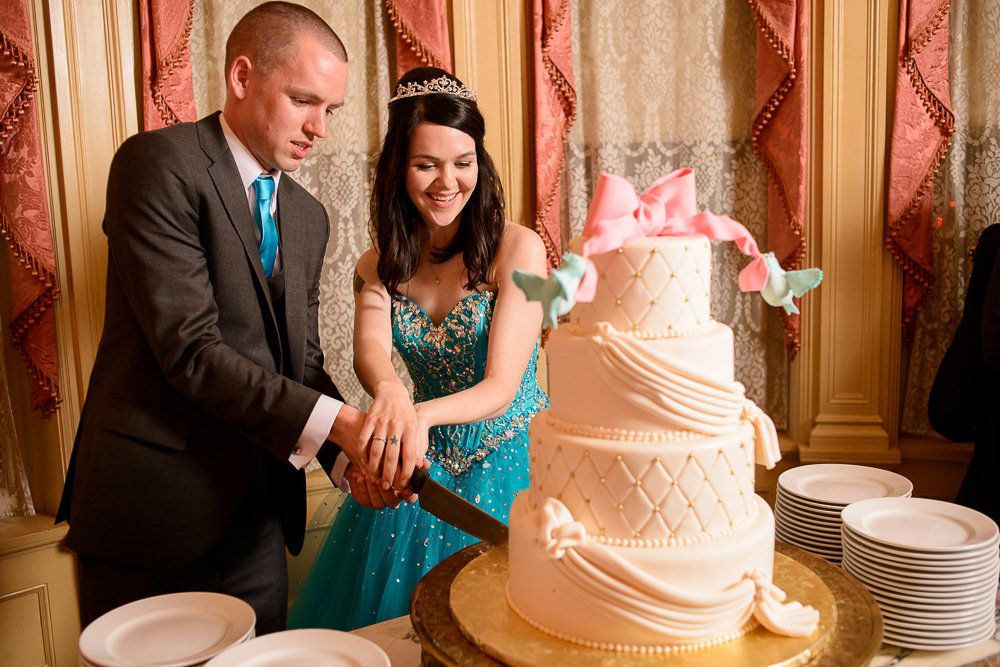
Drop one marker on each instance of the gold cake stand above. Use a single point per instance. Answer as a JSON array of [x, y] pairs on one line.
[[469, 589]]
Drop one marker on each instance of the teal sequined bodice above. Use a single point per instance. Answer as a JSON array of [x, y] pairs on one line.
[[449, 357]]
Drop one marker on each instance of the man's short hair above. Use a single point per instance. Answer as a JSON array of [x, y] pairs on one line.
[[268, 34]]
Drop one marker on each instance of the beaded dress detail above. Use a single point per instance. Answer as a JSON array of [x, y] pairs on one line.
[[372, 560]]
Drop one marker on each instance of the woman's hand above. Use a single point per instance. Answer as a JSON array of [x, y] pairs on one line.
[[399, 436]]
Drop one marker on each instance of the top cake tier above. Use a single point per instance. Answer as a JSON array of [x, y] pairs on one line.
[[654, 287]]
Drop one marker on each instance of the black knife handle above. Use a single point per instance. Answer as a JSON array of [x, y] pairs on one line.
[[417, 479]]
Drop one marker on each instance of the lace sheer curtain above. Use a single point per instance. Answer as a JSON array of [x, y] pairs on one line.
[[664, 85], [337, 172], [969, 177]]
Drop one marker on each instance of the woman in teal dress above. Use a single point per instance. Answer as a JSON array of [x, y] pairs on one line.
[[437, 286]]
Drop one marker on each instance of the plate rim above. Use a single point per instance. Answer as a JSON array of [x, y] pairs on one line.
[[895, 481], [102, 628]]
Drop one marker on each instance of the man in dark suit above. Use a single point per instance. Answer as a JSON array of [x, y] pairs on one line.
[[208, 393]]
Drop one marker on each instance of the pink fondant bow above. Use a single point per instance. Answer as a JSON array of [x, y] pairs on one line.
[[617, 215]]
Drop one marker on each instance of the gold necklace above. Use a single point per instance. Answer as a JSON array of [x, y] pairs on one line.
[[437, 278]]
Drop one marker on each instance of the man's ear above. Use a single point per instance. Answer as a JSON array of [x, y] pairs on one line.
[[239, 76]]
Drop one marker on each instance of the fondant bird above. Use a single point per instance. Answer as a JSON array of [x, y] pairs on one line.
[[557, 292], [783, 285]]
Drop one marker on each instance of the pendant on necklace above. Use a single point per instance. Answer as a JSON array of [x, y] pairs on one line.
[[437, 281]]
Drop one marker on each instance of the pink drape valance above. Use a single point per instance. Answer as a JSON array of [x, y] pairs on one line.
[[555, 111], [780, 132], [421, 34], [168, 89], [24, 222], [922, 126]]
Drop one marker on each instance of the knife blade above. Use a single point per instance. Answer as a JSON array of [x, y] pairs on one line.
[[456, 510]]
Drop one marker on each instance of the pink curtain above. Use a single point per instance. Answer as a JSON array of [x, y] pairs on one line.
[[24, 222], [921, 133], [555, 111], [167, 87], [779, 132], [421, 34]]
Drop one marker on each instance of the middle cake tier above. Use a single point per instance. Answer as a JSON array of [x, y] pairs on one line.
[[645, 489]]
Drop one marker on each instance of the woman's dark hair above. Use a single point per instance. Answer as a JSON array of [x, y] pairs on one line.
[[394, 222]]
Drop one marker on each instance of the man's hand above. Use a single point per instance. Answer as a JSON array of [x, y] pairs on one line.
[[368, 494], [346, 432]]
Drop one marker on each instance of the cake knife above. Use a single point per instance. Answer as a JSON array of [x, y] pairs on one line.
[[456, 510]]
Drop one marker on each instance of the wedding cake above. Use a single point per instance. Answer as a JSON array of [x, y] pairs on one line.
[[640, 530]]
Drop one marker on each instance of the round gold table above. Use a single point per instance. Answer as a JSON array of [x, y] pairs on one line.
[[852, 639]]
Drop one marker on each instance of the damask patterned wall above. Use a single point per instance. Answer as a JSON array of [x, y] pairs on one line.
[[665, 85], [969, 177]]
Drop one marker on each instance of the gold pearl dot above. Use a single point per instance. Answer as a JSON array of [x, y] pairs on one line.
[[603, 276], [573, 474], [619, 457], [602, 480], [657, 458], [690, 504], [559, 448], [654, 301], [621, 250], [638, 482], [587, 453], [655, 250], [685, 247], [656, 509], [621, 507], [636, 327], [618, 302], [638, 274], [548, 466]]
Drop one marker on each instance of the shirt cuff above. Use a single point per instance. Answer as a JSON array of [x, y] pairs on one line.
[[337, 474], [316, 432]]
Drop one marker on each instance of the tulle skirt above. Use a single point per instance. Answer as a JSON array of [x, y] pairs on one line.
[[371, 560]]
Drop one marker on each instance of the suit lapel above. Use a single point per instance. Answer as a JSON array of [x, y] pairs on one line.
[[226, 178], [294, 245]]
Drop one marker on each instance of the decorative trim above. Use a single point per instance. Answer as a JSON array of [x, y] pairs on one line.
[[166, 66]]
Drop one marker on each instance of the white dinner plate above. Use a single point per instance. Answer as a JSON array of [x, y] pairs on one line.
[[937, 610], [981, 574], [973, 620], [785, 513], [842, 483], [907, 641], [953, 630], [831, 542], [921, 524], [919, 574], [831, 510], [175, 630], [825, 545], [987, 626], [312, 647], [920, 588], [882, 552], [972, 596], [829, 554]]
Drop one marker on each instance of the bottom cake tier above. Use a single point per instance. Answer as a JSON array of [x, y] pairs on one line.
[[635, 598]]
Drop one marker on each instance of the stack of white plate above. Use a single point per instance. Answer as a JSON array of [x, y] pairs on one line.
[[176, 630], [316, 648], [810, 499], [932, 567]]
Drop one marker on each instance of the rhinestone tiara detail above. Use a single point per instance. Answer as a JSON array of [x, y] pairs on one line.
[[442, 84]]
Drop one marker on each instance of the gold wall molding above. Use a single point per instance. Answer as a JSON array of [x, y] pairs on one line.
[[853, 377], [491, 55]]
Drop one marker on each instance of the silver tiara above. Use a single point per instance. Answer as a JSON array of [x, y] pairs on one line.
[[442, 84]]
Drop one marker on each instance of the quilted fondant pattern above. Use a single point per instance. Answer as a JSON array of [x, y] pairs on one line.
[[652, 286], [644, 494]]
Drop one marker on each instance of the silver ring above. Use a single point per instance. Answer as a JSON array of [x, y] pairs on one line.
[[378, 437]]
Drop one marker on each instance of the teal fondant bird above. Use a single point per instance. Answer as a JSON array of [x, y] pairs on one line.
[[557, 292], [783, 285]]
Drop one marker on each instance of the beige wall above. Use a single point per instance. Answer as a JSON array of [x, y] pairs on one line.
[[846, 379]]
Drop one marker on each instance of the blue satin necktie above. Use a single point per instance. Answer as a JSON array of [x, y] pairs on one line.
[[264, 186]]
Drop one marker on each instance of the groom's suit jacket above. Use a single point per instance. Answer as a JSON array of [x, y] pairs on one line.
[[191, 386]]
